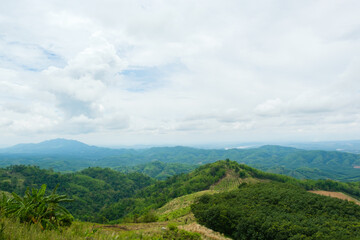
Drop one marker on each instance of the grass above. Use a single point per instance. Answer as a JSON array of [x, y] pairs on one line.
[[178, 208], [231, 181], [177, 211], [13, 230]]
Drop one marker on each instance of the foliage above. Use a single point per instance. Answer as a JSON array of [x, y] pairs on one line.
[[105, 195], [37, 208], [64, 155], [92, 188], [150, 216], [278, 211], [157, 169], [158, 194]]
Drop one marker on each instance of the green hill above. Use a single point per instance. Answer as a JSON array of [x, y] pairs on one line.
[[278, 211], [219, 195], [92, 188], [68, 155], [157, 169]]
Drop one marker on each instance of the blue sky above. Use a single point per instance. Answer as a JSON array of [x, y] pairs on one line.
[[179, 72]]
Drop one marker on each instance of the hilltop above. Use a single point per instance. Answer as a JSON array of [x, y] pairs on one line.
[[135, 205]]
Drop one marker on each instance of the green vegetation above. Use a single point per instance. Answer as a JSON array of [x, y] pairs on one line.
[[157, 169], [179, 207], [14, 230], [174, 233], [278, 211], [65, 155], [158, 194], [36, 208], [270, 206], [103, 195], [92, 189]]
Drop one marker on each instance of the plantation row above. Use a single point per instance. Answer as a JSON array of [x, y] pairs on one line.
[[278, 211]]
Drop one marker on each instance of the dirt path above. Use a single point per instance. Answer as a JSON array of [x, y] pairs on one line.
[[134, 226], [205, 232], [337, 195]]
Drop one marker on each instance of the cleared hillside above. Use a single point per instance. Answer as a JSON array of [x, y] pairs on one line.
[[338, 195]]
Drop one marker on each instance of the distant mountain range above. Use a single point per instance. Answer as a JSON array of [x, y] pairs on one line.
[[71, 155], [351, 146], [61, 147]]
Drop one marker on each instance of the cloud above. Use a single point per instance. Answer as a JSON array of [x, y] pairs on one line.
[[161, 71]]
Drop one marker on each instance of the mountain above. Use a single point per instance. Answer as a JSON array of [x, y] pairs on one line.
[[69, 155], [61, 147], [64, 155]]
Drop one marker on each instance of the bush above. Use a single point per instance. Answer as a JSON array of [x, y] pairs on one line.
[[149, 217]]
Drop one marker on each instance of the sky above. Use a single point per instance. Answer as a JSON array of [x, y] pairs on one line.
[[179, 72]]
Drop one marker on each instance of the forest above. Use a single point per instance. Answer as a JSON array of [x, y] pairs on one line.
[[275, 206], [278, 211], [70, 156]]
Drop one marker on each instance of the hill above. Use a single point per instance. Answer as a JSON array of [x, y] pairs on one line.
[[233, 178], [92, 188], [68, 155], [278, 211], [124, 200], [157, 169], [62, 147]]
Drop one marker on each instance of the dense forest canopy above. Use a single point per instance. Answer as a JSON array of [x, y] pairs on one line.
[[245, 203], [278, 211], [103, 194], [92, 189], [65, 155], [157, 169]]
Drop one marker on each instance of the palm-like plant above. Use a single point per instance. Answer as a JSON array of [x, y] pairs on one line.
[[36, 208]]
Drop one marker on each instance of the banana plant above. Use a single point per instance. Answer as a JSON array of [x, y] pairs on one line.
[[36, 208]]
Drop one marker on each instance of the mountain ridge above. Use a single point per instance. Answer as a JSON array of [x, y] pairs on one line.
[[71, 155]]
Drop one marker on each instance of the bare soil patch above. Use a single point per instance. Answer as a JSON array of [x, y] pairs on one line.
[[337, 195], [134, 226], [205, 232]]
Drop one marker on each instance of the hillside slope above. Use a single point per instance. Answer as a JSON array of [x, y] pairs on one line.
[[107, 196], [91, 188], [274, 210]]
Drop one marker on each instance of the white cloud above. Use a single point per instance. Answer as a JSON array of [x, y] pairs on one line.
[[180, 71]]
